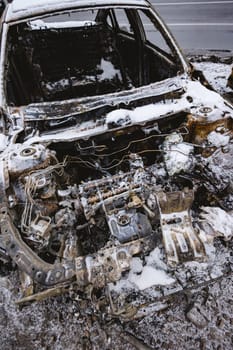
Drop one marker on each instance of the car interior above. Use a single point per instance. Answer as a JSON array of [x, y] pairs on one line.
[[52, 61]]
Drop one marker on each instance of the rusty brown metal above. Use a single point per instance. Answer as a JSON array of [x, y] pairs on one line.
[[200, 127]]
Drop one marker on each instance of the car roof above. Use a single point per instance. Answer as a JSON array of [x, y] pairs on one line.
[[19, 10]]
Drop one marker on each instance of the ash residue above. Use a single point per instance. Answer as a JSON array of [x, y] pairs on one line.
[[201, 319]]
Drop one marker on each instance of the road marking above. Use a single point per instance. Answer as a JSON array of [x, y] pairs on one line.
[[190, 24], [201, 24], [193, 3]]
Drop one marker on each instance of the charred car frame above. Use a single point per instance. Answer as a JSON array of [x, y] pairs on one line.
[[116, 160]]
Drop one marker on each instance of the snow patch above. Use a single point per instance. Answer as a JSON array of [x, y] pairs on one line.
[[217, 139], [109, 71], [150, 277], [40, 24], [195, 98], [220, 221], [216, 74], [153, 273], [19, 5], [201, 96], [178, 155], [3, 142]]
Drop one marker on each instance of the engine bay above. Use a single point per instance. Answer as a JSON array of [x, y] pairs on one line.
[[81, 213]]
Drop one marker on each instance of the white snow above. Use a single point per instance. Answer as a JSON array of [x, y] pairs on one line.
[[57, 84], [81, 131], [3, 142], [21, 5], [136, 266], [119, 117], [153, 273], [217, 139], [155, 259], [178, 155], [20, 9], [40, 24], [29, 5], [151, 276], [201, 97], [219, 220], [144, 113], [109, 71], [216, 74]]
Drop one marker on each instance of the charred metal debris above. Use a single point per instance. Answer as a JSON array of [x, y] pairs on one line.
[[116, 166]]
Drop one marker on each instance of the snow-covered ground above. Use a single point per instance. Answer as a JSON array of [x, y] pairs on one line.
[[216, 67], [216, 74], [195, 320]]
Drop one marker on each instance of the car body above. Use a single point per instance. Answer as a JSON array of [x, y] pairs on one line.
[[116, 156]]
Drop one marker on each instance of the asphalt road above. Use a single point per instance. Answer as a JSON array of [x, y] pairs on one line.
[[199, 24]]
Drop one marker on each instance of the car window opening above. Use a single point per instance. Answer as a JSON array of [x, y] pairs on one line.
[[58, 59]]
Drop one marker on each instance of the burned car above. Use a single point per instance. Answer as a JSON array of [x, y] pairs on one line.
[[116, 156]]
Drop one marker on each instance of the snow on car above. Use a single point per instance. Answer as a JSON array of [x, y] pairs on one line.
[[116, 156]]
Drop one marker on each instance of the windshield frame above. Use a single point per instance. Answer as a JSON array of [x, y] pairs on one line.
[[185, 68]]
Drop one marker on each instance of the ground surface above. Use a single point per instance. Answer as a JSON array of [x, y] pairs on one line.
[[201, 319]]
